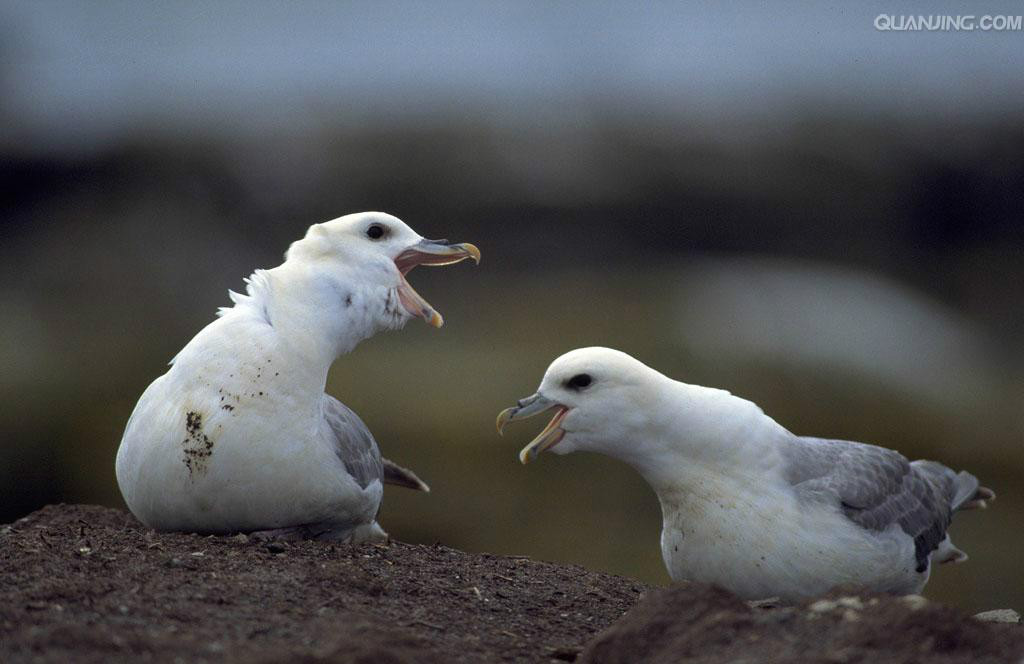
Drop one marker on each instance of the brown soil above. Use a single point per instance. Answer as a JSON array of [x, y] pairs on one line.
[[93, 584], [697, 623], [83, 583]]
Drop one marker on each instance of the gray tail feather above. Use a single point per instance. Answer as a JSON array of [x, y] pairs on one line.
[[399, 476], [970, 495]]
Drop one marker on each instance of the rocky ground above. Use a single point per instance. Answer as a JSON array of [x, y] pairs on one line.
[[84, 583]]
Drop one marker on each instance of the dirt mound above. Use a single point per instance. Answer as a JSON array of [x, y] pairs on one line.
[[84, 583], [698, 623], [90, 584]]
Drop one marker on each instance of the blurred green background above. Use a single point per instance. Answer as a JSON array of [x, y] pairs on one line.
[[779, 201]]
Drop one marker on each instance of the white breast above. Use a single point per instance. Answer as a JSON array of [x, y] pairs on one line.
[[223, 443]]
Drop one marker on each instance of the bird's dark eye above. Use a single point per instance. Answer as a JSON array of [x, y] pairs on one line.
[[375, 231], [579, 381]]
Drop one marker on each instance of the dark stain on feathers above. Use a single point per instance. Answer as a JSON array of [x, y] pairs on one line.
[[197, 446]]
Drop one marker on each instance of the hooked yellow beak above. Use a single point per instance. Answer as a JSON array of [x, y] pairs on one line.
[[429, 252], [547, 438]]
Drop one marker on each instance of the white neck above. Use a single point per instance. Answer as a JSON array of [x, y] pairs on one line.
[[696, 433], [315, 317]]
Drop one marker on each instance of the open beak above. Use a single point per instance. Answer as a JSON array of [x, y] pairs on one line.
[[528, 407], [429, 252]]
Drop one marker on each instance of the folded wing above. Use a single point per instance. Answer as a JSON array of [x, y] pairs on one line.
[[876, 487], [353, 442]]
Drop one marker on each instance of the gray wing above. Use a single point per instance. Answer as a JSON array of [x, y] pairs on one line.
[[876, 487], [353, 442]]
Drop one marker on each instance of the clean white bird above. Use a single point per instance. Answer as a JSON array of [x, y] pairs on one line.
[[238, 436], [745, 503]]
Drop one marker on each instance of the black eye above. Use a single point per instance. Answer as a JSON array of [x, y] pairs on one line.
[[375, 231], [579, 381]]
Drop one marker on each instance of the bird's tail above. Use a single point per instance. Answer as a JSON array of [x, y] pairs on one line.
[[967, 492], [399, 476], [970, 495]]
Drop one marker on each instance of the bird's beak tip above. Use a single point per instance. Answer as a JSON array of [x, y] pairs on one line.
[[503, 419], [473, 252]]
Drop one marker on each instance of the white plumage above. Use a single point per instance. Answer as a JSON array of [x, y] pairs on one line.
[[745, 503], [238, 435]]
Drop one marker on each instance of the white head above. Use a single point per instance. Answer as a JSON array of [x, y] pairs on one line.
[[346, 278], [374, 251], [605, 401], [601, 398]]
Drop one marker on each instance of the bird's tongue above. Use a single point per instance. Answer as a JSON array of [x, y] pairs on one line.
[[416, 305]]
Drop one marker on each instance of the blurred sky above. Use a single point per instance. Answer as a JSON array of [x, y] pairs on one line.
[[78, 73]]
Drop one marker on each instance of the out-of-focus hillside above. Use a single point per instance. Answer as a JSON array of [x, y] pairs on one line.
[[816, 274]]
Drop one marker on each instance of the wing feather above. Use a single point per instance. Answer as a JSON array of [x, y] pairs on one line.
[[353, 442], [877, 487]]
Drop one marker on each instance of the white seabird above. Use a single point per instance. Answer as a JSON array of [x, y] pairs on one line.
[[745, 503], [238, 436]]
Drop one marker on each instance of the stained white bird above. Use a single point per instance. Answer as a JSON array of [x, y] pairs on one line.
[[745, 503], [239, 436]]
